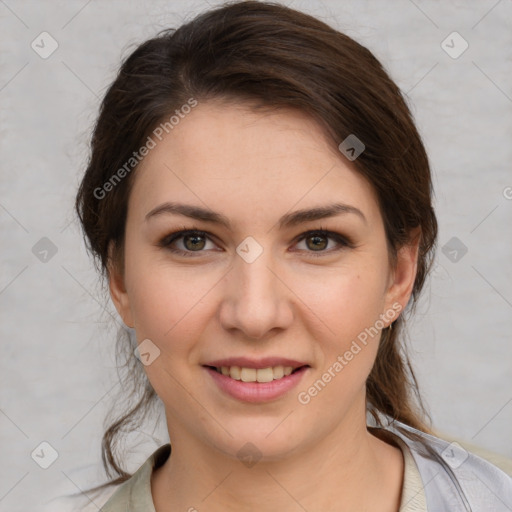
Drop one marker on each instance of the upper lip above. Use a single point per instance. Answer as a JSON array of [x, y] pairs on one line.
[[265, 362]]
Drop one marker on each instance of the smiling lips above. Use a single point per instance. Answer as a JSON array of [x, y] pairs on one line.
[[256, 370], [256, 381]]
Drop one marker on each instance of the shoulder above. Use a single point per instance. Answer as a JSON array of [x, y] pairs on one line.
[[135, 493], [500, 461], [456, 478]]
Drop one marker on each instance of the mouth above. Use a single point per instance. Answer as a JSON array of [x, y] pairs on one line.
[[256, 382], [260, 375]]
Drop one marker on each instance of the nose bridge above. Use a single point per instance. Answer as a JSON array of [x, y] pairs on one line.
[[255, 279], [256, 301]]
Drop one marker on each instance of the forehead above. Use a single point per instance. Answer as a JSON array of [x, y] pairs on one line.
[[228, 156]]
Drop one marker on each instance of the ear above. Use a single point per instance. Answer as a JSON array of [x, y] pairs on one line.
[[117, 288], [403, 275]]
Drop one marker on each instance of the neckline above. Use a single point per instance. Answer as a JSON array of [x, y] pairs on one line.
[[412, 496]]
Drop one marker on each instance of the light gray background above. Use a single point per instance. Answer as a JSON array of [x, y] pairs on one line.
[[57, 367]]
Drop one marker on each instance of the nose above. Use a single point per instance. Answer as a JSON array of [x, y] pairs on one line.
[[256, 300]]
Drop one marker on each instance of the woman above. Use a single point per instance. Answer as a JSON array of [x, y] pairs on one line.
[[260, 201]]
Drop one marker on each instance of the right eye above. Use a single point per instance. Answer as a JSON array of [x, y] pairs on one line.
[[190, 240]]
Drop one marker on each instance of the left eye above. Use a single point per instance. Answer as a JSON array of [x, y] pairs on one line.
[[318, 241]]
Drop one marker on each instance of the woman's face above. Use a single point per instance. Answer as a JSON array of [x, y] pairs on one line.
[[261, 287]]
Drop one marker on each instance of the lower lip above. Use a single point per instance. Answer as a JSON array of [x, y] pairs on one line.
[[256, 391]]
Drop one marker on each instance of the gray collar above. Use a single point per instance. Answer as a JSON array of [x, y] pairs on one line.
[[454, 479]]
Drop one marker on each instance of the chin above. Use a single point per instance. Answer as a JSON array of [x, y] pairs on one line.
[[257, 438]]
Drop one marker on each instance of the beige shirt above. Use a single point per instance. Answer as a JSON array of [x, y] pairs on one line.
[[134, 495]]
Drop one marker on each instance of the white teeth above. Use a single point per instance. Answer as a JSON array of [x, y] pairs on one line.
[[278, 372], [265, 375], [256, 375], [234, 372], [248, 374]]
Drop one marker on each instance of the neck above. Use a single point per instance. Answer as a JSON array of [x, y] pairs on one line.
[[350, 469]]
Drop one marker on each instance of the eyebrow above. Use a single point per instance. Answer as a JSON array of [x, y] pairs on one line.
[[287, 220]]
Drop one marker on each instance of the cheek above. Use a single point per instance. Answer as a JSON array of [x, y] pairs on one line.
[[169, 308], [346, 345], [166, 301], [345, 300], [348, 304]]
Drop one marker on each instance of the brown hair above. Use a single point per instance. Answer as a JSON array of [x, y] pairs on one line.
[[276, 57]]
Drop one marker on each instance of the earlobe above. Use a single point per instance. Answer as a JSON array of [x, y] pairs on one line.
[[118, 291], [403, 275]]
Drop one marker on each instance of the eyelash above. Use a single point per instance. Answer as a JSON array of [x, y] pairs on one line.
[[342, 240]]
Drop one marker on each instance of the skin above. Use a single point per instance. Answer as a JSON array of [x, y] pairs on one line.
[[253, 168]]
